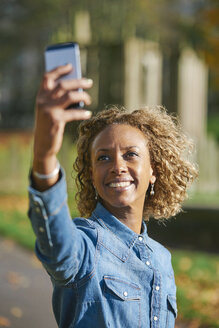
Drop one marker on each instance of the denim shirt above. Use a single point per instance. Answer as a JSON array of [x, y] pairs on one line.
[[103, 273]]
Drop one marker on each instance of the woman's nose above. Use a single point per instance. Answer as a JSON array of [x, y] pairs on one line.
[[118, 165]]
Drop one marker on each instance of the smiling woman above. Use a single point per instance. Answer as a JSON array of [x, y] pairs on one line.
[[121, 171], [105, 269], [164, 147]]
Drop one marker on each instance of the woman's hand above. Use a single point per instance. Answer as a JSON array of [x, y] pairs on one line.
[[51, 117]]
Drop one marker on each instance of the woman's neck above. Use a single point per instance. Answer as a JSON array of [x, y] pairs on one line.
[[132, 218]]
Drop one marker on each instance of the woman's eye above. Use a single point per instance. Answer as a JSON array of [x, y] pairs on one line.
[[103, 158], [131, 154]]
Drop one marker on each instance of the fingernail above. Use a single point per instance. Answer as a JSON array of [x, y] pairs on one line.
[[89, 81], [88, 113]]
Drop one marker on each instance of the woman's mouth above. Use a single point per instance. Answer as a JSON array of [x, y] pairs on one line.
[[121, 184]]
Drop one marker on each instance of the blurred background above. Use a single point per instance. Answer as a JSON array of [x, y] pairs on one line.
[[138, 52]]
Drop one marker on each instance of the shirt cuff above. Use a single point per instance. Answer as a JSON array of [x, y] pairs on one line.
[[52, 199]]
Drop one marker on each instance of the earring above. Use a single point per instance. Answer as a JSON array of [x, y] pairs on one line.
[[96, 194], [152, 190]]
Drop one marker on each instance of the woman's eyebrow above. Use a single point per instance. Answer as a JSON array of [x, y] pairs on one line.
[[123, 148]]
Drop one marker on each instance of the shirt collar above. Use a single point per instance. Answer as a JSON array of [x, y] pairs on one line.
[[110, 222]]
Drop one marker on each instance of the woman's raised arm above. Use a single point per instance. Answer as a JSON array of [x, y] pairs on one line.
[[51, 117]]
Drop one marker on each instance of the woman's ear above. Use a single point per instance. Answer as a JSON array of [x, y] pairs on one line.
[[152, 176]]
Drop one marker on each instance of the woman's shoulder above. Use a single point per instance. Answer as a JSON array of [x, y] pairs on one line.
[[158, 248], [83, 223]]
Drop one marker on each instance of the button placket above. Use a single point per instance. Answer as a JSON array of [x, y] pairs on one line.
[[156, 299], [143, 251]]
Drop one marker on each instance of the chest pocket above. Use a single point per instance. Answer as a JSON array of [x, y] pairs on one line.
[[171, 311], [122, 302], [124, 290]]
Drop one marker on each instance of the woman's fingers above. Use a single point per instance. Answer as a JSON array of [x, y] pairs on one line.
[[65, 93], [76, 115], [70, 85], [62, 93], [59, 71], [73, 84], [49, 78], [71, 97]]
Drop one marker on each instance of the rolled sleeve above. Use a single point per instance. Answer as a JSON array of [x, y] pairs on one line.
[[43, 207], [59, 245]]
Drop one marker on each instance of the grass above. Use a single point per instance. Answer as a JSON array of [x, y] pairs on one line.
[[197, 280], [197, 274], [15, 225]]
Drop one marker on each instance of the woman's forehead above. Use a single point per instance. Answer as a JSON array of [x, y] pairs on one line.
[[123, 134]]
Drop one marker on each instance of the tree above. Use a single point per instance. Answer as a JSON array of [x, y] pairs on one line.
[[26, 27]]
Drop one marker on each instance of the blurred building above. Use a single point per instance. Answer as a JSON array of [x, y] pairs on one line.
[[134, 73], [137, 73]]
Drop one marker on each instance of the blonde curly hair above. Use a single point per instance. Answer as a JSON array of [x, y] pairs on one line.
[[168, 149]]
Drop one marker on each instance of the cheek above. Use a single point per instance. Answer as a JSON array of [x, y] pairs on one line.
[[97, 176], [93, 172], [143, 175]]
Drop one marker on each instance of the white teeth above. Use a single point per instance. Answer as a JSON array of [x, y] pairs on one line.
[[119, 184]]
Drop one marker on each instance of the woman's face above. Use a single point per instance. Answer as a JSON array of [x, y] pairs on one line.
[[120, 167]]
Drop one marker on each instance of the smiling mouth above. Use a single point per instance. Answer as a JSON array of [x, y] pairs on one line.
[[121, 184]]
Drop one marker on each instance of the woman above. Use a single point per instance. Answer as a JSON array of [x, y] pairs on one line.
[[105, 270]]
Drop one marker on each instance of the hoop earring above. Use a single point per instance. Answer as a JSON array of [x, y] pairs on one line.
[[152, 190]]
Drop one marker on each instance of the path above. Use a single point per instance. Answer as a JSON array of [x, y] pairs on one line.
[[25, 289]]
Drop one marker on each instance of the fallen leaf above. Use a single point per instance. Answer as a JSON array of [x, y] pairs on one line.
[[16, 312], [17, 280], [195, 323], [13, 278], [185, 263], [4, 322]]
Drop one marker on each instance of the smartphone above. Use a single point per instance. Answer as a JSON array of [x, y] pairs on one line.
[[62, 54]]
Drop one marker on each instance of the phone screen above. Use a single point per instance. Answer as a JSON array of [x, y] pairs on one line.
[[62, 54]]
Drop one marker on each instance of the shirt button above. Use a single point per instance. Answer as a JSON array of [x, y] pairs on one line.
[[41, 229], [157, 288], [148, 262], [140, 238], [125, 294], [155, 318]]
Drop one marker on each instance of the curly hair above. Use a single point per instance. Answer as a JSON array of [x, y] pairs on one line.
[[168, 148]]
